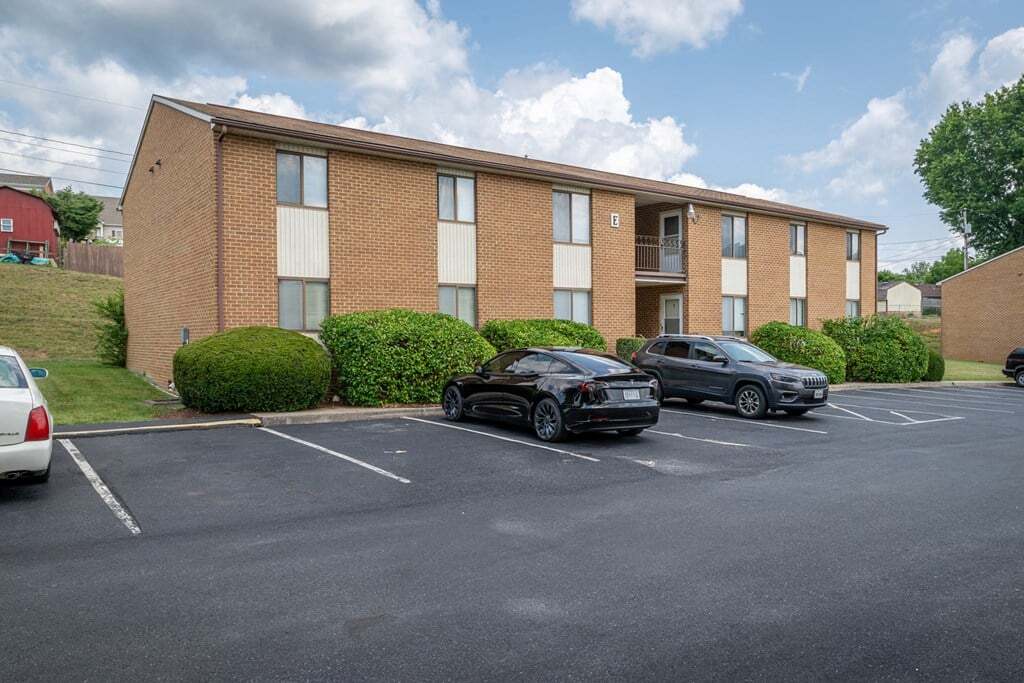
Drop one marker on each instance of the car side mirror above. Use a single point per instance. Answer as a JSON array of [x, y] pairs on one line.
[[39, 373], [720, 359]]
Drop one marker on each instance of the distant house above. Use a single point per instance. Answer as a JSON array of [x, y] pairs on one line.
[[931, 298], [27, 224], [27, 183], [898, 297], [109, 227]]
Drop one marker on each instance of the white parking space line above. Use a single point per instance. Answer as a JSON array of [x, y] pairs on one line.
[[876, 395], [852, 415], [697, 438], [863, 417], [951, 396], [752, 423], [503, 438], [336, 454], [101, 488]]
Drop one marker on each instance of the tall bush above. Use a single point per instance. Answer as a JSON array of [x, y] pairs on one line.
[[804, 347], [625, 347], [399, 356], [252, 369], [112, 334], [517, 334], [936, 367], [879, 348]]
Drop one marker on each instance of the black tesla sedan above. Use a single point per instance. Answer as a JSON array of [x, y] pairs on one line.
[[557, 391]]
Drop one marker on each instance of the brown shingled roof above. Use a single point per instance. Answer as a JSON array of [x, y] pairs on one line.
[[270, 124]]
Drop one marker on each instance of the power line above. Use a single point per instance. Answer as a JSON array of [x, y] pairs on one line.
[[934, 239], [70, 180], [63, 163], [61, 149], [68, 94], [63, 142]]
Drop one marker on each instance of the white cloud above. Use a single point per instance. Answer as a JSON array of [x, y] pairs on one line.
[[799, 80], [774, 194], [961, 72], [653, 26], [276, 103]]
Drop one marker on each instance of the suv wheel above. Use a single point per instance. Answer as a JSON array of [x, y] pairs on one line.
[[751, 402], [452, 404], [1019, 378], [547, 421]]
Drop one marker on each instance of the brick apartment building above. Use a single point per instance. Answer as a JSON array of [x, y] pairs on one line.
[[242, 218]]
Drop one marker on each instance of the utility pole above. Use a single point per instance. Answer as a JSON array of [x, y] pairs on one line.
[[967, 236]]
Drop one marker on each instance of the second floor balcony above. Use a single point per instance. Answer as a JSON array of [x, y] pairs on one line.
[[660, 259]]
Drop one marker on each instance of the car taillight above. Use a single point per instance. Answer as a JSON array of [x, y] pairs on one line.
[[38, 428], [632, 356]]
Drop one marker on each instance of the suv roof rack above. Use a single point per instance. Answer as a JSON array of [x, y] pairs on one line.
[[689, 336]]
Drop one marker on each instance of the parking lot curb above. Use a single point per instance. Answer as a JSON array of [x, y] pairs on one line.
[[328, 415], [854, 386], [142, 429]]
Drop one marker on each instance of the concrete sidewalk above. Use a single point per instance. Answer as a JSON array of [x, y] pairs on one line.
[[850, 386]]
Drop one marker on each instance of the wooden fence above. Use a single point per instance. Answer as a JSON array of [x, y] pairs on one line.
[[94, 258]]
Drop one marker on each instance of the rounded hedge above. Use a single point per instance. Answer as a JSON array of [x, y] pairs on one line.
[[804, 347], [936, 367], [879, 349], [399, 356], [264, 369], [626, 346], [517, 334]]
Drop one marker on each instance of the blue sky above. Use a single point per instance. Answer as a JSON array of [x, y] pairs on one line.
[[818, 104]]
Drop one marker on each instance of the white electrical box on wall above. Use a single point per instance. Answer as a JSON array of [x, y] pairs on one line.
[[615, 220]]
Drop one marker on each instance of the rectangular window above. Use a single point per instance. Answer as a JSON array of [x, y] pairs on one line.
[[302, 304], [301, 179], [571, 217], [572, 304], [734, 236], [459, 302], [734, 315], [456, 198], [853, 246], [6, 225], [798, 312], [797, 239], [853, 309]]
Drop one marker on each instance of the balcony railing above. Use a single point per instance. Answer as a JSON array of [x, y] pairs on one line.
[[659, 254]]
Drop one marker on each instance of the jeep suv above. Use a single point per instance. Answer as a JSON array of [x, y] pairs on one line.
[[730, 370], [1014, 368]]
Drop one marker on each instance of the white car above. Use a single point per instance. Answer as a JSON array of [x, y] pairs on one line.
[[26, 425]]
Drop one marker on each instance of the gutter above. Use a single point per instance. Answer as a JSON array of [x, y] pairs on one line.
[[218, 154]]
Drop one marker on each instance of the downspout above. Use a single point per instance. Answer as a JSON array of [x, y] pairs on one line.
[[219, 130]]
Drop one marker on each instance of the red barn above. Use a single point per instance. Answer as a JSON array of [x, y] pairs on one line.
[[27, 224]]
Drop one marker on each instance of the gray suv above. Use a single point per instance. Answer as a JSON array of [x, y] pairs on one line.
[[730, 370]]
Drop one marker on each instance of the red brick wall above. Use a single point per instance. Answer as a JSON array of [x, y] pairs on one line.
[[648, 308], [170, 241], [613, 293], [767, 270], [703, 301], [983, 311], [826, 273], [868, 271]]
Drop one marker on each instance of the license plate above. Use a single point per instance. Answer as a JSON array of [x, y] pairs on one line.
[[819, 393], [631, 395]]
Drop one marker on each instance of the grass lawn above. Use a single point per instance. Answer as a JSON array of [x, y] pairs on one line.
[[83, 391], [930, 329], [968, 369]]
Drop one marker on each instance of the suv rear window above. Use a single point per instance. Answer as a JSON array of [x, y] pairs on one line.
[[600, 365], [11, 376]]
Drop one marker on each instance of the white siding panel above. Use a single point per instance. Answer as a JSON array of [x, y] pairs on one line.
[[572, 266], [734, 276], [852, 280], [302, 246], [798, 277], [456, 253]]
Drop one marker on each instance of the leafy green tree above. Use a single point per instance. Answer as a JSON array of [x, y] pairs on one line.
[[917, 272], [77, 213], [973, 159], [949, 265], [888, 275]]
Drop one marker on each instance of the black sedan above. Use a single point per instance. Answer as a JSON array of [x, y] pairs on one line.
[[557, 391]]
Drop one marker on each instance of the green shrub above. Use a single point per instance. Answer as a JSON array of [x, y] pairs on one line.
[[626, 346], [111, 332], [804, 347], [252, 369], [399, 356], [879, 348], [517, 334], [936, 367]]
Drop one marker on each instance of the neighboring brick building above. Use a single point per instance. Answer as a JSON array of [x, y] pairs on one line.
[[983, 310], [241, 218]]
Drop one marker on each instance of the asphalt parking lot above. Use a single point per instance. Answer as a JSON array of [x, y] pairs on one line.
[[878, 538]]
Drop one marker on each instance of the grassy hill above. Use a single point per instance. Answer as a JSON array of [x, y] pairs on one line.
[[48, 312]]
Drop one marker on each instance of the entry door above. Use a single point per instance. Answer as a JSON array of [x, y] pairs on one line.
[[671, 314], [671, 242]]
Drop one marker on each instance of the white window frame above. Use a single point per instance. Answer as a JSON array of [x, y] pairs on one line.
[[457, 312], [798, 239], [853, 236], [798, 305], [732, 235], [734, 332], [302, 180], [455, 197], [572, 223], [9, 222], [572, 304], [856, 304], [303, 281], [661, 312]]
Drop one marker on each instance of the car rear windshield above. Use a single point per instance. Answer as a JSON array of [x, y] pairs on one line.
[[740, 352], [11, 376], [599, 365]]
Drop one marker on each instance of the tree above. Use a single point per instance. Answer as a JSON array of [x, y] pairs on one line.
[[77, 213], [973, 159], [947, 266], [917, 272], [888, 276]]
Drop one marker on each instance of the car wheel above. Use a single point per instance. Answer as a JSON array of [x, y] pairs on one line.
[[694, 401], [751, 403], [547, 421], [631, 432], [452, 404], [1019, 378], [796, 411]]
